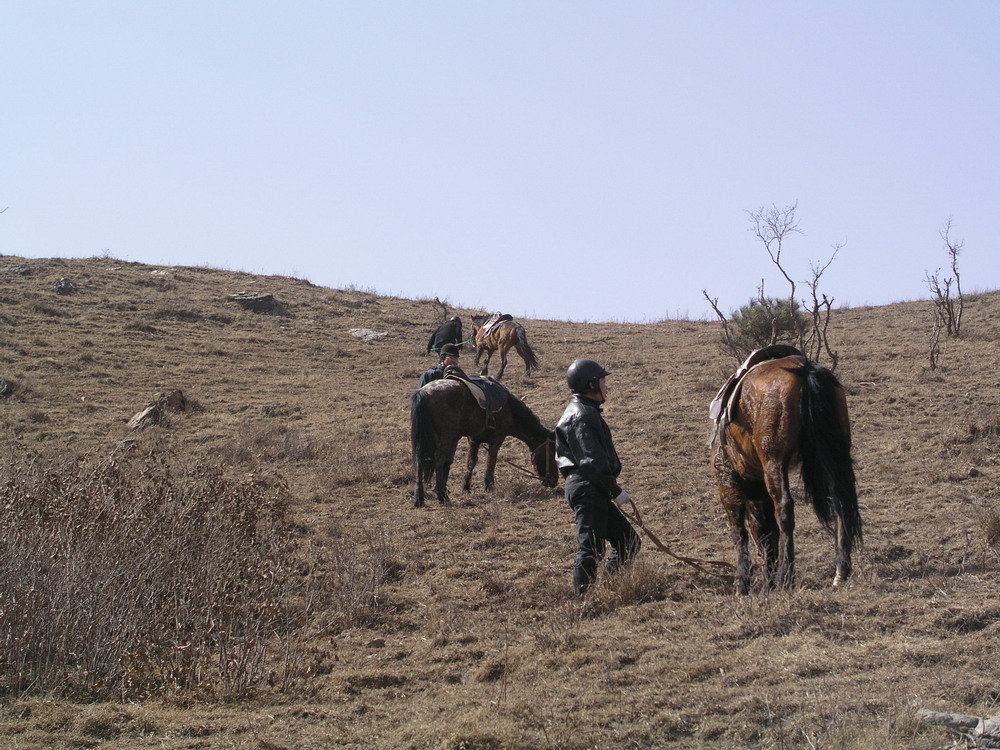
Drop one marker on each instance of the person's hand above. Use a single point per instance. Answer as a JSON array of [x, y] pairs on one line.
[[622, 499]]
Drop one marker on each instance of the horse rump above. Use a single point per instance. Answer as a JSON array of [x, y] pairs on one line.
[[525, 350], [422, 433], [825, 448]]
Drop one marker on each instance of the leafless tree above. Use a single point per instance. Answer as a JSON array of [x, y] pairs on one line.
[[773, 226], [441, 309], [947, 309]]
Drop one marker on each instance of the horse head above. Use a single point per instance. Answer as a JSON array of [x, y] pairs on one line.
[[544, 459]]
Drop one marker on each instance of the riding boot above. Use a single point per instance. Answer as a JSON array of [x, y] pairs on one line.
[[584, 573]]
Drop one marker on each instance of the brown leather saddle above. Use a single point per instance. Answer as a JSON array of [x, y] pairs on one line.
[[720, 410], [493, 321], [489, 393]]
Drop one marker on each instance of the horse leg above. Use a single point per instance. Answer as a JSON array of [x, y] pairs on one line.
[[484, 370], [776, 479], [446, 454], [843, 557], [470, 464], [491, 461], [764, 531], [735, 504], [418, 490], [503, 363]]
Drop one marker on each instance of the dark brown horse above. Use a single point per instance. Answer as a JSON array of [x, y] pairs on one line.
[[785, 412], [444, 411], [502, 337]]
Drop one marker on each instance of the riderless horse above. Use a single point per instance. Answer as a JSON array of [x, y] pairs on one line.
[[444, 411], [501, 333], [779, 411]]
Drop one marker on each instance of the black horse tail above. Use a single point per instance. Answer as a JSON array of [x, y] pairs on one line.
[[827, 467], [422, 433], [526, 352]]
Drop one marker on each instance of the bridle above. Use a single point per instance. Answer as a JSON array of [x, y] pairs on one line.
[[534, 452]]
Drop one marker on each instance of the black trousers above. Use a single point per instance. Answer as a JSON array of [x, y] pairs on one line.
[[598, 523]]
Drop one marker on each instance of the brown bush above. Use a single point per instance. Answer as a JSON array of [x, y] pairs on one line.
[[121, 579]]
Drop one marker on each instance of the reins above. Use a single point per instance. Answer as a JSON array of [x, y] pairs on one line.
[[636, 520], [533, 452], [694, 562]]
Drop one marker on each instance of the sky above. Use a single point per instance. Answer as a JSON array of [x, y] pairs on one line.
[[570, 160]]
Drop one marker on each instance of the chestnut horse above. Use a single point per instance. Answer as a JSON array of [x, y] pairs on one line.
[[502, 337], [444, 411], [785, 412]]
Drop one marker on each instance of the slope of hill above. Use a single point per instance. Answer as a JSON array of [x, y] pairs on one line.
[[474, 641]]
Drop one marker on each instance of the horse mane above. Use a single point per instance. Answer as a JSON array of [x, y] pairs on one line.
[[525, 416]]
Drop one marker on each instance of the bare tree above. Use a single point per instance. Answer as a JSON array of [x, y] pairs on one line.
[[947, 309], [817, 340], [773, 226], [441, 310]]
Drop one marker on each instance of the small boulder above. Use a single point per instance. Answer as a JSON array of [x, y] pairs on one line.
[[154, 412]]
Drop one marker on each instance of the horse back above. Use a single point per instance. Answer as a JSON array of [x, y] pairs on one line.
[[766, 417], [454, 410]]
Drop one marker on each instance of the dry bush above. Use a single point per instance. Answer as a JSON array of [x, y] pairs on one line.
[[263, 440], [349, 573], [124, 579]]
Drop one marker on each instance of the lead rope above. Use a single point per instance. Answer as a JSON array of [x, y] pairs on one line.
[[548, 463], [636, 520], [694, 562]]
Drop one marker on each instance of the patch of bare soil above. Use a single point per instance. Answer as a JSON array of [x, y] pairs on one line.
[[470, 638]]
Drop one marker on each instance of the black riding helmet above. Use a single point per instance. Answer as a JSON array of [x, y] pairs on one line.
[[583, 376]]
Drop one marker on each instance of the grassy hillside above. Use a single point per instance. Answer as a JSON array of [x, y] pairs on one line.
[[454, 627]]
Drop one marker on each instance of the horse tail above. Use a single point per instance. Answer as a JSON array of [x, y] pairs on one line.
[[827, 466], [422, 433], [526, 352]]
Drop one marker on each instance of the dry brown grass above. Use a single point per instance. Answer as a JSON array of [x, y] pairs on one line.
[[454, 627]]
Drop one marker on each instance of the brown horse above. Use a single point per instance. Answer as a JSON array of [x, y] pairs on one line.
[[502, 337], [444, 411], [784, 412]]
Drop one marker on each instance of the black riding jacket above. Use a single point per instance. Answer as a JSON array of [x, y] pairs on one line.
[[449, 333], [584, 446]]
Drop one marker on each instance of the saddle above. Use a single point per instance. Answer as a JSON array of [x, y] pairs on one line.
[[490, 394], [720, 410], [494, 320]]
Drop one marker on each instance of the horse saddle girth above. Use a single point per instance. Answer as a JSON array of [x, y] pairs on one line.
[[720, 410], [489, 394]]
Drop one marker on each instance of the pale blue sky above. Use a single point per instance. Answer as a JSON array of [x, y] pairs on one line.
[[569, 160]]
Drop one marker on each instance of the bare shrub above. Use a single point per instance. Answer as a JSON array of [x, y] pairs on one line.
[[348, 591], [262, 440], [124, 579]]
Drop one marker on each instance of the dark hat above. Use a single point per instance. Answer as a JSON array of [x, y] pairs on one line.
[[448, 350]]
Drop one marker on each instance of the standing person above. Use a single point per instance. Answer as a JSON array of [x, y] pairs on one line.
[[448, 333], [449, 358], [586, 457]]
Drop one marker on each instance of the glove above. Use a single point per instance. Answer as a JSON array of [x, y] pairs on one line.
[[622, 499]]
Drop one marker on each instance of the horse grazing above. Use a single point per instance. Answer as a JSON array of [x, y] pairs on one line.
[[502, 335], [444, 411], [784, 412]]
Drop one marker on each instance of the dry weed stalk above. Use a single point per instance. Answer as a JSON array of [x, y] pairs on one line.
[[123, 579]]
